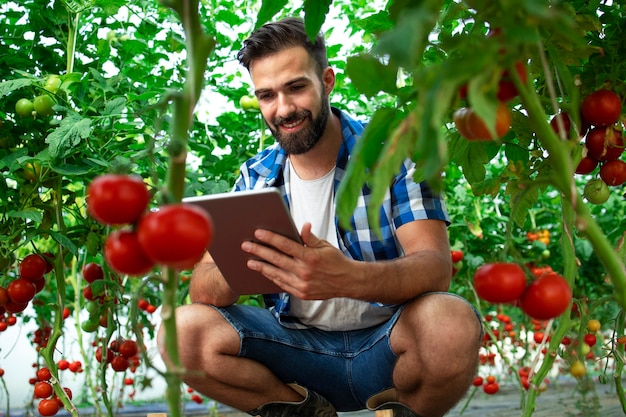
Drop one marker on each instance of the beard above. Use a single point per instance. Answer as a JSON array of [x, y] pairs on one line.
[[306, 138]]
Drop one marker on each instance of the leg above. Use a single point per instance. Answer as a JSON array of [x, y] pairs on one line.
[[439, 335], [208, 347]]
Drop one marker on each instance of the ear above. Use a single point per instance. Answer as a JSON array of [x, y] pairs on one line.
[[328, 79]]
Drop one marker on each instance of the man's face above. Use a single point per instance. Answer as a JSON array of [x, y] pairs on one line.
[[292, 98]]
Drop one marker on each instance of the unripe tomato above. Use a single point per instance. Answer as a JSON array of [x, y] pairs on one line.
[[578, 369], [43, 105], [596, 191], [24, 107], [53, 82], [249, 103], [593, 325]]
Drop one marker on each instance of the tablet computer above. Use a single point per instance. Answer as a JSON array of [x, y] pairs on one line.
[[236, 215]]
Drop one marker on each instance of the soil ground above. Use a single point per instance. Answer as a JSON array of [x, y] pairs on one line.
[[562, 400]]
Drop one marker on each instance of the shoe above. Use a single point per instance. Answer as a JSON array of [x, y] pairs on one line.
[[387, 400], [313, 405]]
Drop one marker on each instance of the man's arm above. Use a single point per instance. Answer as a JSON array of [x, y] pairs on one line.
[[318, 270], [208, 286]]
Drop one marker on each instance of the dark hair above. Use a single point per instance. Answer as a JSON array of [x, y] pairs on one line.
[[285, 33]]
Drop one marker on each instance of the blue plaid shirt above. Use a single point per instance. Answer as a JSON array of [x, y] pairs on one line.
[[405, 201]]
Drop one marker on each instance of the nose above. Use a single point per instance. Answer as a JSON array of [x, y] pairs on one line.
[[285, 106]]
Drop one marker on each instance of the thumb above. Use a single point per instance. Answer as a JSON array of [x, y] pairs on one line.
[[308, 238]]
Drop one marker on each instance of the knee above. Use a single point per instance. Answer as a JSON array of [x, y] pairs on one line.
[[442, 319]]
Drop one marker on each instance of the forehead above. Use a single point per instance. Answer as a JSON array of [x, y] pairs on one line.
[[279, 68]]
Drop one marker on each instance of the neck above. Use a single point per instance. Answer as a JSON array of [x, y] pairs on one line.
[[322, 158]]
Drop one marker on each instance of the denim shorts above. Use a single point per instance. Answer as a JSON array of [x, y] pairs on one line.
[[346, 367]]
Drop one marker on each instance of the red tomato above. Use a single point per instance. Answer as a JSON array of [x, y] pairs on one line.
[[547, 297], [117, 199], [586, 165], [124, 254], [21, 290], [478, 381], [43, 389], [119, 363], [92, 272], [457, 256], [472, 127], [177, 235], [128, 348], [590, 339], [506, 88], [48, 407], [602, 108], [33, 267], [63, 364], [491, 388], [613, 172], [44, 374], [604, 143], [500, 282]]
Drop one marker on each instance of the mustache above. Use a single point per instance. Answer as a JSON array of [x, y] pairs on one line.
[[298, 115]]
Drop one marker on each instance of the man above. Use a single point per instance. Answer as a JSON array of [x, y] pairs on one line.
[[364, 321]]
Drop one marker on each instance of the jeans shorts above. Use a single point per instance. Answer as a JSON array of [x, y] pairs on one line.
[[346, 367]]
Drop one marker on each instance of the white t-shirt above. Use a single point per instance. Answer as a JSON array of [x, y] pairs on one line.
[[313, 201]]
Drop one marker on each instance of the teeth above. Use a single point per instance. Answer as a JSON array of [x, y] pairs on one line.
[[290, 125]]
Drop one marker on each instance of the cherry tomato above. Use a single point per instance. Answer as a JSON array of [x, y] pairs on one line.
[[472, 127], [177, 235], [43, 389], [43, 105], [119, 363], [578, 369], [596, 191], [124, 254], [601, 108], [491, 388], [24, 107], [593, 325], [604, 143], [48, 407], [33, 267], [613, 173], [478, 381], [128, 348], [117, 199], [500, 282], [547, 297], [92, 271], [590, 339], [506, 88], [457, 256], [586, 165], [21, 291], [44, 374]]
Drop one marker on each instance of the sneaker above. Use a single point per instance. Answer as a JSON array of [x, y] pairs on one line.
[[387, 400], [313, 405]]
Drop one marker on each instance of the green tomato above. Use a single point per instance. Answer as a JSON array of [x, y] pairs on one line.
[[596, 191], [89, 325], [249, 103], [53, 82], [43, 105], [24, 107]]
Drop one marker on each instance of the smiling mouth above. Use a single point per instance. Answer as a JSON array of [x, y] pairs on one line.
[[292, 125]]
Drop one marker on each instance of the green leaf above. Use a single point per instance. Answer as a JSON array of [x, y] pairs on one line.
[[27, 214], [364, 156], [64, 241], [370, 76], [522, 200], [12, 85], [110, 7], [268, 10], [315, 12], [115, 107], [69, 134]]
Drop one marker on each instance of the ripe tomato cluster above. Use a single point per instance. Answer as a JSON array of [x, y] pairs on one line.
[[49, 403], [122, 354], [175, 235], [603, 142], [545, 297], [31, 280]]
